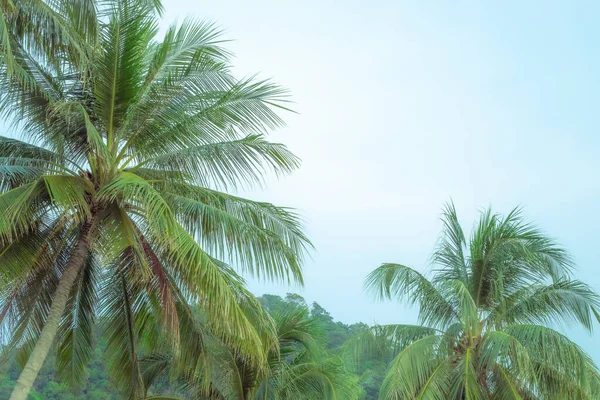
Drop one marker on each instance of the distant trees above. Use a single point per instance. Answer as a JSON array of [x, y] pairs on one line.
[[48, 386], [336, 332]]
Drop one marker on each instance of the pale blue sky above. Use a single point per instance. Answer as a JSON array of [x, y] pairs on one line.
[[404, 105]]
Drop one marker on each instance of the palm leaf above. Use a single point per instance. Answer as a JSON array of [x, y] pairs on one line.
[[403, 283], [225, 163], [562, 301]]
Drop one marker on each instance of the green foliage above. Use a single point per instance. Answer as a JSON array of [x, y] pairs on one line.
[[486, 315], [370, 363], [297, 327], [298, 330], [295, 366], [126, 141], [335, 337], [49, 385]]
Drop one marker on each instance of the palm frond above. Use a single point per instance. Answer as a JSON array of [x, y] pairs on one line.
[[134, 193], [552, 348], [76, 330], [240, 109], [384, 342], [563, 301], [120, 70], [227, 163], [325, 379], [258, 237], [5, 45], [189, 57], [119, 319], [213, 284], [398, 282], [69, 194], [412, 368], [21, 209], [507, 251], [450, 251]]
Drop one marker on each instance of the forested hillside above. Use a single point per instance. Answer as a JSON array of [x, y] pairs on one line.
[[99, 387]]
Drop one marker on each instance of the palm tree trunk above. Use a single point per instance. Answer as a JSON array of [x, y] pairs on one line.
[[57, 309]]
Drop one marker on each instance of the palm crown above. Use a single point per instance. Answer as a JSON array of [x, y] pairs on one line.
[[487, 315], [111, 204]]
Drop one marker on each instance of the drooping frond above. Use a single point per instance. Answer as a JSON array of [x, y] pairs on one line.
[[210, 282], [26, 262], [412, 368], [309, 378], [20, 210], [76, 331], [22, 163], [69, 195], [237, 111], [403, 283], [119, 320], [13, 148], [258, 237], [33, 266], [563, 301], [230, 162], [513, 370], [551, 348], [384, 342]]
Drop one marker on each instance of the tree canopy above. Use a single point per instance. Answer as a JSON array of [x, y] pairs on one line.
[[487, 316]]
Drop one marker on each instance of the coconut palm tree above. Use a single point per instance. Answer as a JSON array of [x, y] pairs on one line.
[[112, 193], [487, 318], [294, 366]]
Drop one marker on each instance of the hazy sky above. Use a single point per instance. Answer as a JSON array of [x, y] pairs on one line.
[[404, 105]]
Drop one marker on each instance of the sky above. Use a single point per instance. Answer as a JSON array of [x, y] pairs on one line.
[[404, 105]]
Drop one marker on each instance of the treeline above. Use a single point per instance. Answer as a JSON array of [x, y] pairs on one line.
[[334, 335]]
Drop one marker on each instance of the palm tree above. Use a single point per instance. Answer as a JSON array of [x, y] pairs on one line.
[[486, 318], [297, 367], [294, 366], [112, 202]]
